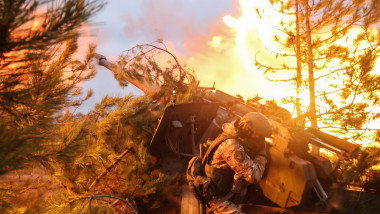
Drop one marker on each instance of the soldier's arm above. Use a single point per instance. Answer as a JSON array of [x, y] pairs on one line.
[[246, 168]]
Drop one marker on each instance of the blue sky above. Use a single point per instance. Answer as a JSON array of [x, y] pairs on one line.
[[123, 24]]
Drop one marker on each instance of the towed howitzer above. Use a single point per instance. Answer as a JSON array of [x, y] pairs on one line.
[[292, 172]]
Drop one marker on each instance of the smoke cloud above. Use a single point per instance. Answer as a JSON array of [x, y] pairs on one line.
[[203, 41]]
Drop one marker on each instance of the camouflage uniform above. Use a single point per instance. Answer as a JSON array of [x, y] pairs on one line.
[[230, 153]]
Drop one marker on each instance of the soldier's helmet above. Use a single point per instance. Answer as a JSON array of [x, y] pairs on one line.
[[253, 124]]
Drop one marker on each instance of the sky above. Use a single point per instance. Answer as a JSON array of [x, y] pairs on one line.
[[122, 24], [203, 34]]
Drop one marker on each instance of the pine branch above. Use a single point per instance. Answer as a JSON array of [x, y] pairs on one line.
[[346, 27], [108, 169], [332, 72], [331, 92], [101, 198], [257, 63], [153, 48], [350, 129], [279, 80]]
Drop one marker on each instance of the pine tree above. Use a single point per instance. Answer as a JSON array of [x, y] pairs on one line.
[[37, 71], [39, 77], [330, 23], [344, 46], [101, 160]]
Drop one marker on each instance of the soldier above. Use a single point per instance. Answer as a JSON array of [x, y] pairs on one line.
[[235, 163]]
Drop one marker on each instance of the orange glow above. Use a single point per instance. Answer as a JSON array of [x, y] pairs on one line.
[[36, 27], [254, 35], [21, 33], [232, 55], [32, 26], [229, 57]]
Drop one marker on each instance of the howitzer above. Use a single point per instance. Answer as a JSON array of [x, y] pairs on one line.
[[292, 172]]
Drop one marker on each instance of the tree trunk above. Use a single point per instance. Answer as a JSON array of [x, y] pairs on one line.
[[299, 69], [310, 61]]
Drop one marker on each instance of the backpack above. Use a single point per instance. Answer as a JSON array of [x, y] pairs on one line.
[[200, 185]]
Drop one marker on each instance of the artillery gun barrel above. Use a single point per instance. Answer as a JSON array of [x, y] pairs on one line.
[[341, 147], [117, 71]]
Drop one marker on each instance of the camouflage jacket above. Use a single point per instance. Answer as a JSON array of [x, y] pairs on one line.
[[231, 153]]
